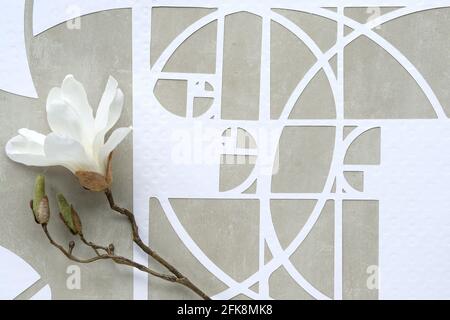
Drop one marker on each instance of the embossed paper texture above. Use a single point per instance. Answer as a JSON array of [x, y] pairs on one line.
[[281, 149]]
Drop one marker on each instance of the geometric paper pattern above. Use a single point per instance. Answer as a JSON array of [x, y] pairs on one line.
[[261, 119]]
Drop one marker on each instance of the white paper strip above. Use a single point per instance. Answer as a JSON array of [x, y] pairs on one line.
[[413, 182], [15, 275], [49, 13], [15, 76]]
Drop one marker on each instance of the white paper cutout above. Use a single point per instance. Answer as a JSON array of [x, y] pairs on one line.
[[49, 13], [156, 174], [44, 294], [14, 69], [413, 181], [16, 276]]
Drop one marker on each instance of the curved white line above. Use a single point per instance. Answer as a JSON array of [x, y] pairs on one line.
[[15, 74], [275, 245], [197, 252], [360, 29], [49, 13], [355, 134]]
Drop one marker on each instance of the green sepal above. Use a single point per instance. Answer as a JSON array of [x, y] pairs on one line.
[[65, 212], [39, 193]]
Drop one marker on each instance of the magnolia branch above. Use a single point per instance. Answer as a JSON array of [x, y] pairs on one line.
[[71, 219], [181, 279], [108, 255], [94, 171]]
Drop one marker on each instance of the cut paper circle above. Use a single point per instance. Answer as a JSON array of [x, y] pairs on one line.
[[16, 276], [13, 52]]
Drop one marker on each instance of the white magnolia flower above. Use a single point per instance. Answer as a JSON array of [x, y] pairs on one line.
[[77, 140]]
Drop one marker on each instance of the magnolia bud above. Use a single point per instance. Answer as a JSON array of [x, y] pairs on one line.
[[76, 222], [32, 211], [71, 246], [38, 195], [43, 211], [69, 216]]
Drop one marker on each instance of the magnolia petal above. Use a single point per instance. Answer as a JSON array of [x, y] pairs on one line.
[[114, 140], [115, 110], [109, 111], [101, 118], [26, 143], [32, 136], [114, 115], [110, 106], [26, 151], [33, 160], [68, 153], [55, 95], [64, 120], [74, 94], [109, 173]]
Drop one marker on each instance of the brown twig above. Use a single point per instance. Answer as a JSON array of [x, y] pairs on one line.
[[107, 256], [94, 246], [181, 279]]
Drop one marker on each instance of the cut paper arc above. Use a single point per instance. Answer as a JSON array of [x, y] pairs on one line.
[[48, 13], [16, 276], [13, 52]]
